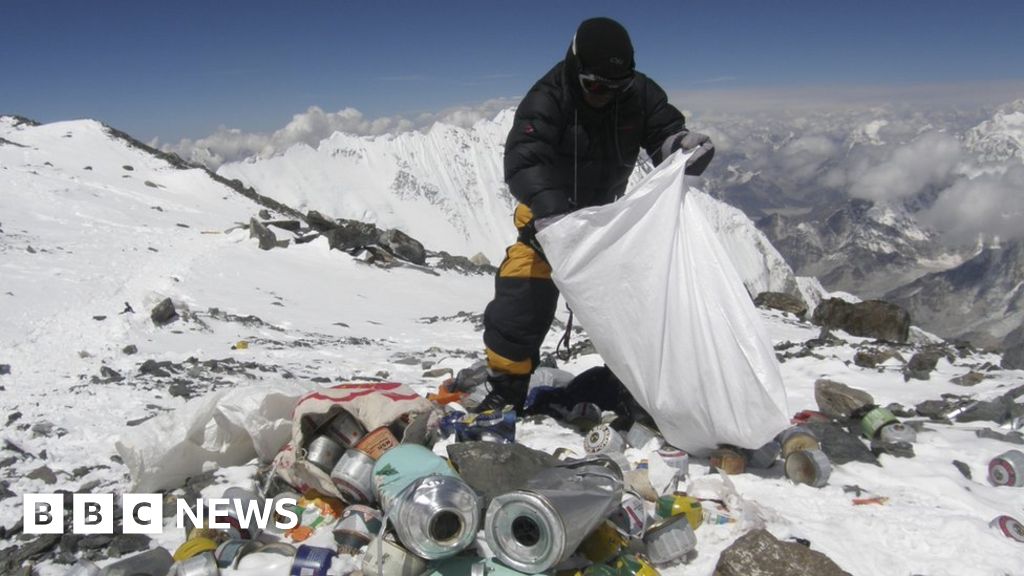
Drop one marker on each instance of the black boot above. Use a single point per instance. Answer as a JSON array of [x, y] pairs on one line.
[[506, 390]]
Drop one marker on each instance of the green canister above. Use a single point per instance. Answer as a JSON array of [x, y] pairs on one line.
[[874, 420]]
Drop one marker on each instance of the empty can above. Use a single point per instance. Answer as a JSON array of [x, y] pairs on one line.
[[324, 453], [874, 420], [680, 504], [312, 561], [808, 467], [357, 527], [670, 540], [676, 458], [797, 438], [1010, 527], [377, 442], [897, 432], [344, 429], [1007, 469], [353, 477], [603, 439], [202, 565]]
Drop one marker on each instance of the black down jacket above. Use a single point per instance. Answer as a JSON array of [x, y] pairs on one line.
[[562, 154]]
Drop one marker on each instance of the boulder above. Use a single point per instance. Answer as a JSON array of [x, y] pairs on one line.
[[840, 445], [781, 301], [760, 553], [839, 400], [972, 378], [869, 319], [267, 238], [480, 259], [872, 357], [349, 235], [1013, 358], [164, 313], [403, 246], [319, 222], [922, 364]]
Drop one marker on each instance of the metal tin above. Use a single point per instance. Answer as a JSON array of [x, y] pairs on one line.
[[1007, 469], [357, 527], [353, 476], [230, 550], [728, 460], [633, 565], [377, 442], [541, 525], [1010, 527], [680, 504], [676, 458], [602, 439], [765, 456], [202, 565], [808, 467], [435, 513], [796, 439], [897, 432], [153, 561], [603, 544], [83, 568], [639, 435], [345, 429], [245, 500], [324, 453], [312, 561], [386, 558], [194, 547], [630, 517], [670, 540], [874, 420]]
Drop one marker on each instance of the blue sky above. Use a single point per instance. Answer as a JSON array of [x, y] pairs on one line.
[[181, 69]]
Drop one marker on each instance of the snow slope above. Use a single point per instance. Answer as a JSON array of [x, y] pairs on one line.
[[102, 237]]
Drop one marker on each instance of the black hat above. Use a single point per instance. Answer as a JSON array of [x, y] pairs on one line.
[[602, 47]]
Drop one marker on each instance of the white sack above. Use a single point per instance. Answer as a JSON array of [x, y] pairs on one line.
[[226, 428], [656, 292]]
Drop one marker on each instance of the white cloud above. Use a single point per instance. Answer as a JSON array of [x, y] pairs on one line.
[[927, 161], [991, 204]]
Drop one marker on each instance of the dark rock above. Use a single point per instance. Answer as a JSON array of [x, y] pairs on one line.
[[267, 238], [137, 421], [972, 378], [9, 461], [897, 449], [11, 559], [154, 368], [128, 543], [934, 409], [128, 168], [868, 319], [782, 301], [1012, 437], [1013, 358], [95, 541], [921, 365], [5, 490], [901, 411], [164, 313], [43, 473], [288, 225], [13, 417], [758, 552], [180, 389], [494, 469], [130, 349], [5, 369], [839, 400], [378, 257], [963, 468], [463, 265], [840, 445], [350, 236], [319, 222], [264, 214], [997, 411], [437, 372], [403, 246], [110, 375], [408, 361]]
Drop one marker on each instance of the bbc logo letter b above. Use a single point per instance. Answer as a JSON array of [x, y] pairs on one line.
[[93, 514], [43, 513]]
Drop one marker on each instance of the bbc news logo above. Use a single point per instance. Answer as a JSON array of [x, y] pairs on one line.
[[144, 513]]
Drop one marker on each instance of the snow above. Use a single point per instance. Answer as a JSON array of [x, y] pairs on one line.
[[101, 238]]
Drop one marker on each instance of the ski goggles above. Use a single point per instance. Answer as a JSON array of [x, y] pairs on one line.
[[599, 85]]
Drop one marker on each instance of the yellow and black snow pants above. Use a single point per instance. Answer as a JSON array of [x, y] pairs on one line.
[[519, 317]]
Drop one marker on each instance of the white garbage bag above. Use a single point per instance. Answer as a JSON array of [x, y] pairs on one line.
[[226, 428], [656, 292]]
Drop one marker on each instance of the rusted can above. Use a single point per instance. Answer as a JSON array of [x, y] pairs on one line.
[[201, 565], [797, 438], [377, 442], [728, 460], [353, 477], [357, 527], [670, 540], [810, 467], [1007, 469], [603, 544], [324, 453], [602, 439], [1010, 527], [874, 420], [344, 429]]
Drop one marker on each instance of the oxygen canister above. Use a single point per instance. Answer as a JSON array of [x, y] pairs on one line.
[[377, 442], [1007, 469], [680, 504], [312, 561], [386, 558], [670, 540], [797, 438], [603, 544], [345, 429], [808, 467], [243, 499], [897, 432], [324, 453], [603, 439], [874, 420], [1010, 527], [541, 525], [434, 512], [353, 477]]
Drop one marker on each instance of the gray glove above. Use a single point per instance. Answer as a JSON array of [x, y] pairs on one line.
[[702, 147]]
